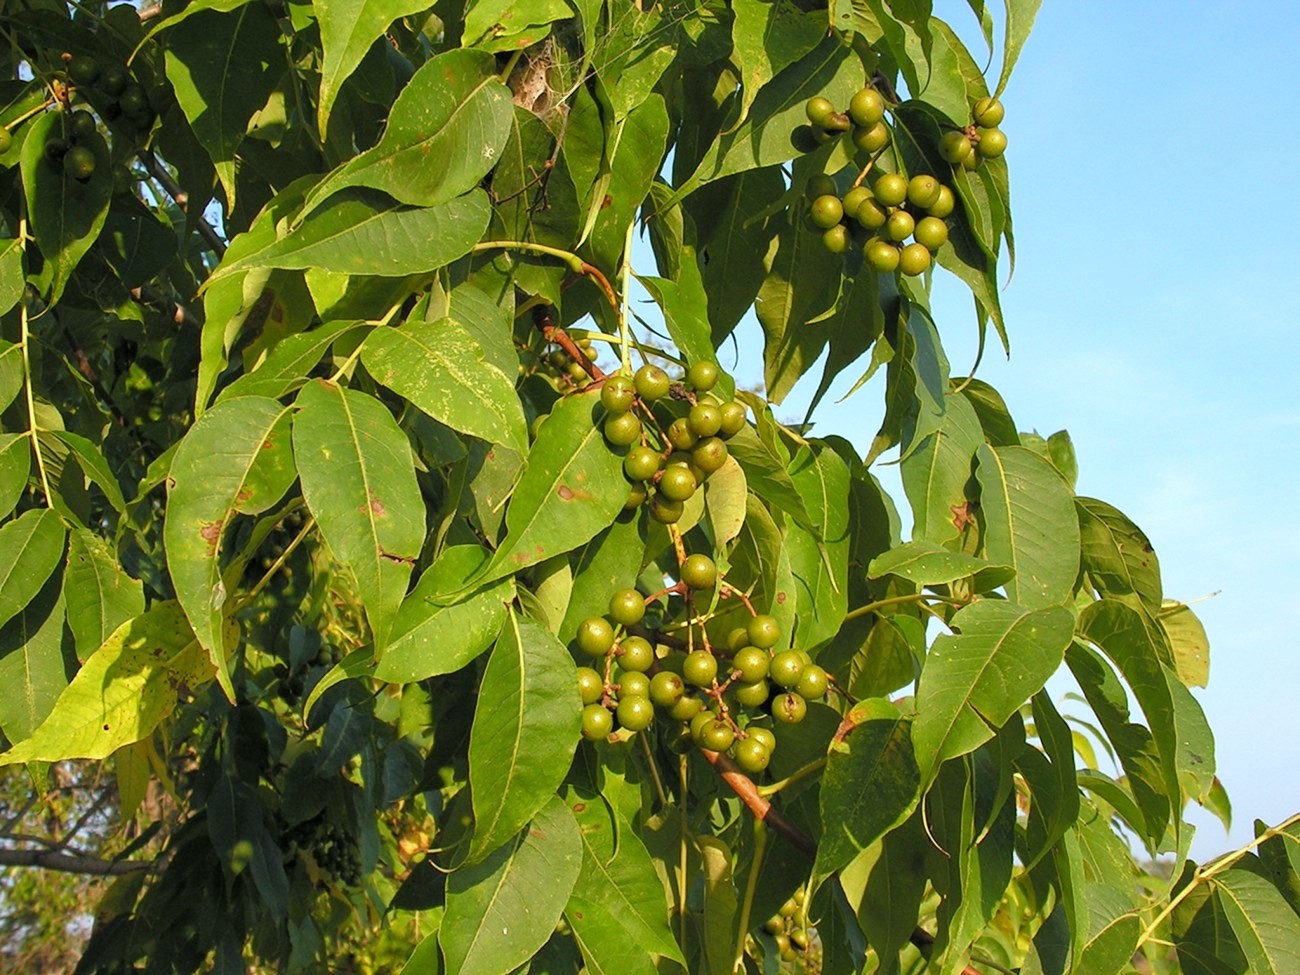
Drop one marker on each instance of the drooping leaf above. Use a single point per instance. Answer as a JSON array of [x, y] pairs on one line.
[[33, 546], [242, 841], [15, 467], [32, 672], [926, 564], [11, 273], [525, 731], [358, 478], [1020, 16], [936, 472], [430, 638], [820, 565], [121, 693], [100, 595], [288, 366], [1188, 643], [768, 38], [1117, 555]]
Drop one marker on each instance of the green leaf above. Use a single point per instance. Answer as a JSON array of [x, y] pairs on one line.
[[32, 651], [604, 942], [609, 562], [11, 372], [90, 457], [685, 307], [1029, 524], [767, 38], [241, 840], [1109, 950], [936, 471], [287, 367], [871, 784], [100, 595], [121, 693], [15, 468], [766, 475], [637, 160], [525, 731], [361, 232], [976, 678], [820, 566], [1117, 555], [445, 131], [356, 665], [725, 494], [235, 460], [348, 29], [927, 564], [892, 879], [443, 371], [1019, 22], [33, 547], [358, 478], [508, 25], [12, 279], [66, 214], [571, 488], [223, 68], [135, 243], [431, 637], [1188, 643], [502, 909]]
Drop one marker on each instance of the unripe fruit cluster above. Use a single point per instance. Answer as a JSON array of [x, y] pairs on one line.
[[114, 92], [566, 370], [790, 930], [980, 140], [894, 210], [666, 463], [864, 118], [76, 151]]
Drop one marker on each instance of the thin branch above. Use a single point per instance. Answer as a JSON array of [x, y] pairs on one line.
[[65, 863], [179, 313], [554, 333], [164, 178]]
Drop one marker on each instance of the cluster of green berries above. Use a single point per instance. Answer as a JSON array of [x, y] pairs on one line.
[[723, 698], [111, 89], [864, 119], [671, 454], [795, 940], [980, 140], [883, 218], [77, 149], [331, 848], [563, 368]]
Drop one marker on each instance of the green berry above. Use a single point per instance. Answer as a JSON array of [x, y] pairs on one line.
[[680, 434], [820, 111], [638, 655], [6, 139], [813, 683], [618, 394], [944, 205], [751, 755], [871, 139], [134, 101], [900, 225], [699, 572], [733, 418], [922, 191], [83, 70], [81, 126], [597, 723], [751, 663], [819, 185], [882, 255], [641, 463], [633, 683], [914, 260], [988, 112], [590, 686], [762, 734], [666, 688], [870, 214], [789, 708], [55, 150], [891, 189], [837, 239], [853, 199], [686, 708], [626, 607], [680, 458], [595, 636], [79, 163], [636, 496], [700, 668], [954, 147], [826, 211], [677, 483], [651, 383], [993, 143], [764, 631], [932, 233], [786, 668], [709, 454], [664, 511], [113, 80], [867, 107], [702, 376], [715, 735], [751, 694], [705, 419], [971, 162], [635, 712], [622, 429]]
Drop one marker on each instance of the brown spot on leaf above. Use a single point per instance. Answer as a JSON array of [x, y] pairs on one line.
[[579, 806], [565, 492], [376, 506], [780, 598], [961, 515], [608, 201], [210, 532]]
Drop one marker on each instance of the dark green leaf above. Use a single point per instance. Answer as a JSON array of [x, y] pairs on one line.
[[15, 466], [33, 546], [1117, 555], [32, 651], [100, 595]]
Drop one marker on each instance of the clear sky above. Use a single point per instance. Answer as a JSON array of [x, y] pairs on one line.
[[1154, 314]]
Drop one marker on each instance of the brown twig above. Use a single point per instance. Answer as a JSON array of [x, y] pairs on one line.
[[179, 313], [173, 189], [552, 332], [66, 863]]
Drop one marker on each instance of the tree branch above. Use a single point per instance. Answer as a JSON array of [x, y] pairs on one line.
[[49, 860], [164, 178]]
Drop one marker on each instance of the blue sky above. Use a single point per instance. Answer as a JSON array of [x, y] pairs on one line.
[[1153, 314]]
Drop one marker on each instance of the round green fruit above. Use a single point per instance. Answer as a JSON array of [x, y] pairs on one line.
[[595, 636], [627, 607], [813, 683], [700, 668], [837, 239], [638, 655], [954, 147], [641, 463], [597, 723], [971, 162], [664, 511], [633, 683], [988, 112], [944, 205], [733, 418], [705, 419], [914, 260], [762, 734], [826, 211], [715, 735], [709, 454], [891, 189], [932, 233], [6, 139], [751, 755], [590, 686], [923, 191], [872, 139], [79, 163], [83, 70], [702, 376], [764, 631], [677, 483], [750, 663], [751, 694], [870, 214], [622, 429], [993, 143], [900, 225], [635, 712], [882, 255], [786, 668], [618, 394], [55, 150], [113, 80], [789, 708], [666, 688], [682, 458], [686, 708], [651, 383], [820, 111], [854, 197], [867, 107], [134, 101], [680, 434], [699, 572], [636, 496], [819, 185], [81, 126]]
